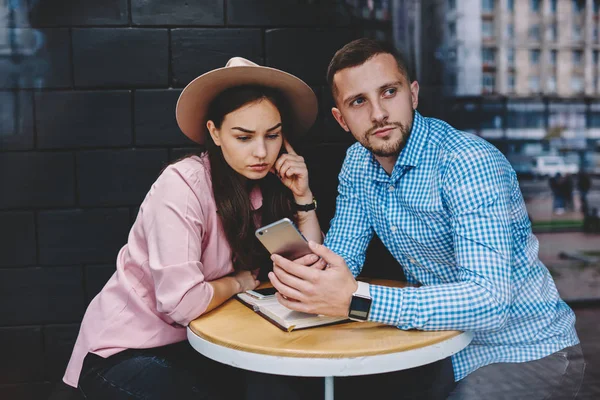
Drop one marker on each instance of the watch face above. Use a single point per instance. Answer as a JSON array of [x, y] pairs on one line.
[[359, 308]]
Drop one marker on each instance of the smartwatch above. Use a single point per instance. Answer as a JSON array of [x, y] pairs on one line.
[[360, 305], [307, 207]]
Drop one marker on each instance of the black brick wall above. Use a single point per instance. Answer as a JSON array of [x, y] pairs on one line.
[[87, 122]]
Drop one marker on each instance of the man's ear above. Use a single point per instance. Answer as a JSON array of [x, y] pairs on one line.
[[340, 120], [414, 92], [214, 132]]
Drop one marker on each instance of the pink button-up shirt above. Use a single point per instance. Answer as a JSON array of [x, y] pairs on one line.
[[176, 246]]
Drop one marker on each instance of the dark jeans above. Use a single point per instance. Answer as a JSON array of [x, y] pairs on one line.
[[177, 371], [557, 376]]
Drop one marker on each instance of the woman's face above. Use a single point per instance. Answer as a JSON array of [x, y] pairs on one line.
[[250, 138]]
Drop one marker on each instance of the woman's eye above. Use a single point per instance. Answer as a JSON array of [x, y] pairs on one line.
[[243, 138], [273, 136], [357, 102]]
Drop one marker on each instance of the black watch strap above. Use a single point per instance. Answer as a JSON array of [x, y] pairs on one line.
[[307, 207]]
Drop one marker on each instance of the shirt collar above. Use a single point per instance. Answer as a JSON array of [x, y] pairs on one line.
[[411, 153]]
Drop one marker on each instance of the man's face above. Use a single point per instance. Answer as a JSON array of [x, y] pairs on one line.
[[376, 104]]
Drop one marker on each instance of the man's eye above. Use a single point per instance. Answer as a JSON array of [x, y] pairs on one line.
[[391, 91], [357, 102]]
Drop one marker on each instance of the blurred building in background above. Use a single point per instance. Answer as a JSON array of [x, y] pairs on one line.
[[523, 74]]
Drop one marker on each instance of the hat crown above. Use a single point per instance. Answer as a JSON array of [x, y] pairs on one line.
[[240, 62]]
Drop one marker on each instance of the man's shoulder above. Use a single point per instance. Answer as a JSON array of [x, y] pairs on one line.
[[461, 146]]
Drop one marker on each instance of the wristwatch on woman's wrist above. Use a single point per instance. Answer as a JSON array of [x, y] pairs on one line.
[[307, 207]]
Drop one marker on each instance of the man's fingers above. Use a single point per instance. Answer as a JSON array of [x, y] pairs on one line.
[[329, 256], [308, 259], [307, 274], [291, 304], [289, 279], [283, 288]]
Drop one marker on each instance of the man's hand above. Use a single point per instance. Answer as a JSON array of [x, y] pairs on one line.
[[311, 260], [313, 290]]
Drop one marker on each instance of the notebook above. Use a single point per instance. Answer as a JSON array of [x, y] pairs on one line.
[[284, 318]]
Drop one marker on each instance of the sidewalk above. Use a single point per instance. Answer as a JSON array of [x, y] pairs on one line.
[[540, 209]]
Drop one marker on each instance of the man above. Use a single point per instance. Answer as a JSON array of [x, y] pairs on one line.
[[447, 205]]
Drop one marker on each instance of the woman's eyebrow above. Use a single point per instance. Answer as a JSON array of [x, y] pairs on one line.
[[239, 128]]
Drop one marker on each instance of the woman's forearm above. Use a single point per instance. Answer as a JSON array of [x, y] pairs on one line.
[[308, 223], [223, 289]]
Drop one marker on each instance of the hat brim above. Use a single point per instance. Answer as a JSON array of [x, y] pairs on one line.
[[192, 105]]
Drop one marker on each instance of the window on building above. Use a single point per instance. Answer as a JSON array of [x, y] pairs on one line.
[[451, 81], [489, 82], [510, 56], [554, 32], [510, 31], [595, 33], [535, 5], [487, 28], [553, 57], [451, 5], [511, 82], [487, 5], [451, 55], [577, 57], [534, 84], [578, 6], [577, 84], [525, 115], [452, 30], [534, 56], [488, 56], [534, 32], [553, 6], [552, 84], [596, 6], [596, 56], [510, 4], [577, 32]]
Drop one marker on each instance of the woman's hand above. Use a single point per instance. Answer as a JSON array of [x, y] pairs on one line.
[[291, 170], [246, 280]]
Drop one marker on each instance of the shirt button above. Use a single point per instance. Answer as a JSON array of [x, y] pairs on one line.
[[393, 229], [391, 188]]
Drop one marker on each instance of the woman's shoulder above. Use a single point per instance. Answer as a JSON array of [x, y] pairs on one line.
[[194, 170], [190, 174]]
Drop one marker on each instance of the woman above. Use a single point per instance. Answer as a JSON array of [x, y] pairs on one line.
[[192, 246]]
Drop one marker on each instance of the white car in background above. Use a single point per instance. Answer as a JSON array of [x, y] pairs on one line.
[[549, 166]]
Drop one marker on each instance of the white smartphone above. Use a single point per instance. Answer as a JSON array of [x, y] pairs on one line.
[[283, 238]]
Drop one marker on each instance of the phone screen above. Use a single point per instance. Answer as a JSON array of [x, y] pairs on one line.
[[262, 293], [266, 291]]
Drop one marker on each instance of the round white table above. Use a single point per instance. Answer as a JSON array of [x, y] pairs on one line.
[[234, 335]]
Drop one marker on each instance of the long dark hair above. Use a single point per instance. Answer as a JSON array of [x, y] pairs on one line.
[[230, 189]]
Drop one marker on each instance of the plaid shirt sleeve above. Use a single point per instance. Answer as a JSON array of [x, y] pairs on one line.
[[350, 232], [477, 190]]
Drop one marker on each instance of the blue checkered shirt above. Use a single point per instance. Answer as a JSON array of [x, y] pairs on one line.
[[452, 214]]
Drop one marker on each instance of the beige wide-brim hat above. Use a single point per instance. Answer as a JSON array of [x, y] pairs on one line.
[[193, 102]]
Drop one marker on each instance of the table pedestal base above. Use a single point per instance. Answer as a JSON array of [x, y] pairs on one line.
[[329, 388]]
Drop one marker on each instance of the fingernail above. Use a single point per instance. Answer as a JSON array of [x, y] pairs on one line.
[[273, 257]]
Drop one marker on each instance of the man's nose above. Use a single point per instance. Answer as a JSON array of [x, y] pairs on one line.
[[379, 113]]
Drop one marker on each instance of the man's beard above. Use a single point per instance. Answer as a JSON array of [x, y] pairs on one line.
[[389, 147]]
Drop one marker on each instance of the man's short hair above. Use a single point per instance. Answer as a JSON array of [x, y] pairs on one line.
[[358, 52]]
